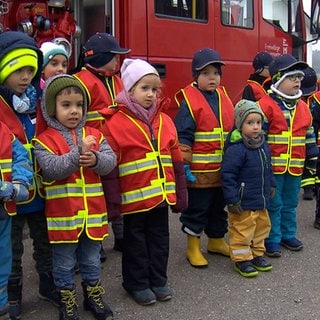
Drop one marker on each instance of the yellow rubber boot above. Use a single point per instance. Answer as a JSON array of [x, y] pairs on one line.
[[194, 254], [218, 245]]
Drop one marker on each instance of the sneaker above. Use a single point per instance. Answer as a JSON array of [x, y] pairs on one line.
[[292, 244], [246, 269], [47, 289], [316, 224], [162, 293], [261, 264], [144, 297], [273, 250]]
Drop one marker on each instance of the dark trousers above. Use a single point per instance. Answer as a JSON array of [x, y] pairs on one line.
[[42, 253], [146, 249], [205, 212]]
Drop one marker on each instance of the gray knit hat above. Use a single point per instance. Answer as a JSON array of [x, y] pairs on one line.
[[243, 108], [56, 84]]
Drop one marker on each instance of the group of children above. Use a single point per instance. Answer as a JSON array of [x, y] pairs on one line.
[[89, 171]]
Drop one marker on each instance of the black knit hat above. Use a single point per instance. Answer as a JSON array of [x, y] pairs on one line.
[[56, 84], [101, 48]]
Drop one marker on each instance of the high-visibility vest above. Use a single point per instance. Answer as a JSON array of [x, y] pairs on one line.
[[257, 88], [146, 171], [6, 163], [75, 204], [287, 144], [8, 116], [101, 101], [316, 97], [210, 132]]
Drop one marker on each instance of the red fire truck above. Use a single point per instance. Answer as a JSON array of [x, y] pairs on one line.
[[168, 32]]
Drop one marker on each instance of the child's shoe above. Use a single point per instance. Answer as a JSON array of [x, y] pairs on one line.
[[292, 244], [162, 293], [273, 250], [246, 269], [261, 264], [144, 297], [68, 309]]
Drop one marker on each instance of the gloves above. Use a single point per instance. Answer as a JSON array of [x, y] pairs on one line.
[[272, 192], [6, 190], [21, 191], [190, 177], [311, 165], [235, 208]]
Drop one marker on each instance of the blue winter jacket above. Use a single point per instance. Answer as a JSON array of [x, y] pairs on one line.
[[247, 176]]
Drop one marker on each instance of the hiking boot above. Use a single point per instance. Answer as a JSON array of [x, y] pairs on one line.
[[47, 289], [246, 269], [14, 297], [292, 244], [308, 193], [144, 297], [162, 293], [273, 250], [68, 309], [261, 264], [93, 301]]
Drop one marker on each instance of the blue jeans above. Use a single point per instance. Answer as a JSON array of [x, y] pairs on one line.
[[282, 208], [5, 259], [65, 255]]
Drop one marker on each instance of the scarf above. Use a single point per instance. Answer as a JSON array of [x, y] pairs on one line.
[[253, 143]]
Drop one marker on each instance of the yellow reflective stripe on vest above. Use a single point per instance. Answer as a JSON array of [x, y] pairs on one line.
[[150, 162], [94, 116], [73, 190], [298, 163], [207, 158], [141, 194], [299, 141], [6, 165], [279, 138], [205, 136]]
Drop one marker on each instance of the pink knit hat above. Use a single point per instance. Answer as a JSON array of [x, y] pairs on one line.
[[132, 70]]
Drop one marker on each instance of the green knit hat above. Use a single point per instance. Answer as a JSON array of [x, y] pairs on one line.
[[56, 84]]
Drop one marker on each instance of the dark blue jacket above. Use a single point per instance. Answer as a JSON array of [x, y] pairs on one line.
[[247, 175]]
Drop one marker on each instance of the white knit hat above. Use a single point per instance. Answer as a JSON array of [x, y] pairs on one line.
[[132, 70], [50, 49]]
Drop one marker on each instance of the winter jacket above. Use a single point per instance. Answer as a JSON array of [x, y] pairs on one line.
[[246, 174]]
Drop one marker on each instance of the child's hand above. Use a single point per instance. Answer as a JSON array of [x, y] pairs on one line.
[[87, 159], [87, 143]]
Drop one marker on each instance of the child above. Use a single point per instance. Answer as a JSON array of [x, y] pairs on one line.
[[55, 60], [291, 139], [98, 75], [20, 61], [72, 157], [16, 177], [247, 181], [308, 87], [204, 118], [150, 178], [257, 84]]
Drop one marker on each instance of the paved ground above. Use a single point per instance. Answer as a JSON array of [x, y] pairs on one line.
[[289, 292]]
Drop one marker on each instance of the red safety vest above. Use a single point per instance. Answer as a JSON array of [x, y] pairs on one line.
[[146, 172], [287, 144], [257, 88], [100, 100], [316, 97], [8, 116], [76, 203], [210, 132], [6, 162]]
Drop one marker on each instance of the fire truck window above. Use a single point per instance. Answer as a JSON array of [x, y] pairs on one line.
[[238, 13], [277, 13], [186, 9]]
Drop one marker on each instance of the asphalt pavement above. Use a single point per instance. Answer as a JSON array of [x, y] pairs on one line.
[[291, 291]]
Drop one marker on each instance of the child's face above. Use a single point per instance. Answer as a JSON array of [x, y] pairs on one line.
[[69, 108], [19, 80], [146, 89], [209, 78], [57, 65], [291, 84], [251, 126]]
